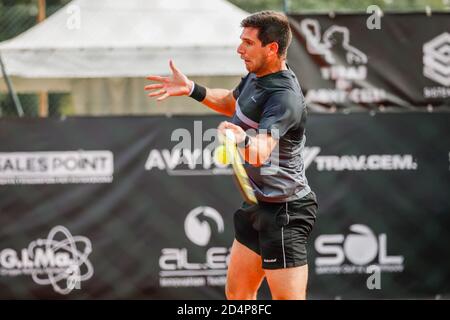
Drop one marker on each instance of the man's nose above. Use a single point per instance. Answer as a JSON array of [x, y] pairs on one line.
[[239, 49]]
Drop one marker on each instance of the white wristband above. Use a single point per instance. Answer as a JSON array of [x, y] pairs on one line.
[[192, 89]]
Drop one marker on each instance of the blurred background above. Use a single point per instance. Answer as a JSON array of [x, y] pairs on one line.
[[19, 16], [106, 194]]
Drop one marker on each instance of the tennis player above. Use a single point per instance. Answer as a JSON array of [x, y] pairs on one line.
[[270, 238]]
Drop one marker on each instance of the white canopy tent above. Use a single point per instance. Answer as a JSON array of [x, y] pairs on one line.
[[102, 50]]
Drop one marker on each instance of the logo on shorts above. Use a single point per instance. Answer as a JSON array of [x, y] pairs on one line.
[[270, 260], [352, 253]]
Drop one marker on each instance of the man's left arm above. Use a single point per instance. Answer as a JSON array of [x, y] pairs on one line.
[[256, 150], [282, 112]]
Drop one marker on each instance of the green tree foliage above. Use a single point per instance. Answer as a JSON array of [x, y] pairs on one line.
[[305, 6], [17, 16]]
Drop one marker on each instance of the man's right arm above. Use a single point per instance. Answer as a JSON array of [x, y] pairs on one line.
[[220, 100]]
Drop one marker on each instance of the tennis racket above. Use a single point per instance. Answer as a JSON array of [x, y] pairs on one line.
[[241, 177]]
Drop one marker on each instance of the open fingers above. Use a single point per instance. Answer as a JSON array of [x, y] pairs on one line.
[[157, 93], [154, 86], [173, 67], [158, 78], [165, 96]]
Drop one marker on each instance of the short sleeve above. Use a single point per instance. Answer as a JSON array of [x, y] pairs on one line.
[[237, 91], [282, 111]]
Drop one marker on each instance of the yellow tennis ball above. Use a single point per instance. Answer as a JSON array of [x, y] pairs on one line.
[[221, 155]]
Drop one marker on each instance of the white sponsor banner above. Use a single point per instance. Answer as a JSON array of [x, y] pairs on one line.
[[56, 167]]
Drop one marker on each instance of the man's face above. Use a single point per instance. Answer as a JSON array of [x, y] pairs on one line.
[[252, 51]]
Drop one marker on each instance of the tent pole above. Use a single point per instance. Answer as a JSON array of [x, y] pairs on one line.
[[43, 95], [286, 6], [41, 10], [11, 91]]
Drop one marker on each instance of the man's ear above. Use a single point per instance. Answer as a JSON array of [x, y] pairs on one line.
[[273, 47]]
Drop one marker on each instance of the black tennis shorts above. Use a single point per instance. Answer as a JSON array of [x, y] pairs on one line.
[[278, 232]]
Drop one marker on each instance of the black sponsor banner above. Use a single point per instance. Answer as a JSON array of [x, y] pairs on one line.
[[153, 228], [382, 183], [362, 61], [112, 208]]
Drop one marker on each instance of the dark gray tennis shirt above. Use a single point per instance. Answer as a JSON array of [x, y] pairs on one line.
[[275, 104]]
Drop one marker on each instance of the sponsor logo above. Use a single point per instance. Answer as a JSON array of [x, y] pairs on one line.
[[197, 228], [372, 162], [173, 163], [61, 261], [56, 167], [354, 252], [346, 64], [436, 66], [193, 155], [176, 266], [186, 162], [190, 156], [436, 59]]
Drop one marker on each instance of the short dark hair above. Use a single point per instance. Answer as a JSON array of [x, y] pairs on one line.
[[272, 26]]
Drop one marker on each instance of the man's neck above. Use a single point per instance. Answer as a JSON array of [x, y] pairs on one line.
[[278, 65]]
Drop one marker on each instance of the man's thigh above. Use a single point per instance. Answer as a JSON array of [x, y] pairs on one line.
[[245, 273], [289, 283]]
